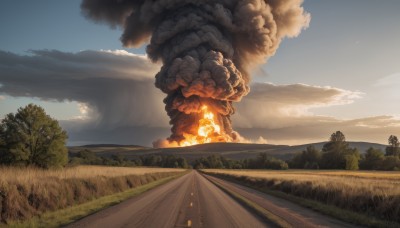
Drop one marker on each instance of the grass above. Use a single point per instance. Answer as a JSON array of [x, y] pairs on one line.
[[29, 192], [366, 198], [31, 175], [68, 215]]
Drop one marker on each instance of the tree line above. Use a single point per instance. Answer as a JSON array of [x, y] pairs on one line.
[[337, 154], [32, 138], [262, 161], [87, 157]]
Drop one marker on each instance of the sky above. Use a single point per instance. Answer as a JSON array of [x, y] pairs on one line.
[[341, 73]]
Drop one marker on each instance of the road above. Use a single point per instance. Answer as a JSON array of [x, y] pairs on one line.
[[291, 213], [194, 201], [190, 200]]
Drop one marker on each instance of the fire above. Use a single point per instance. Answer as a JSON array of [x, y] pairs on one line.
[[208, 131]]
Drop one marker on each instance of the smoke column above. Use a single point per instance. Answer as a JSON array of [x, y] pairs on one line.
[[207, 48]]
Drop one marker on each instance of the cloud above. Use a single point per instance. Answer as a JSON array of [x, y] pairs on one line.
[[390, 80], [301, 94], [119, 103], [315, 129], [277, 106], [114, 88], [389, 85], [281, 114]]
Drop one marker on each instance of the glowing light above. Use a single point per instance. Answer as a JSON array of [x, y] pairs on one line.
[[208, 131]]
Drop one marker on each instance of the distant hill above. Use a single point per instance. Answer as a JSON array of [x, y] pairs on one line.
[[229, 150], [110, 145], [106, 148]]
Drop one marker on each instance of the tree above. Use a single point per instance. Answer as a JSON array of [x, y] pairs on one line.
[[311, 157], [372, 159], [394, 146], [30, 137], [307, 159], [338, 136], [263, 161], [391, 163], [351, 162], [335, 152], [89, 157]]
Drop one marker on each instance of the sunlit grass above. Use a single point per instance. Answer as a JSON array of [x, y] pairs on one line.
[[68, 215], [30, 174], [349, 182], [372, 193], [28, 192]]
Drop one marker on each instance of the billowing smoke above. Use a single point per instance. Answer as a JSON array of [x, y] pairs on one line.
[[207, 48]]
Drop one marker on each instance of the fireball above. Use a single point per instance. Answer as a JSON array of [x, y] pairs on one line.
[[208, 131]]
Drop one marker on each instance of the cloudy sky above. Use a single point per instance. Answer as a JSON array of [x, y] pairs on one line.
[[342, 73]]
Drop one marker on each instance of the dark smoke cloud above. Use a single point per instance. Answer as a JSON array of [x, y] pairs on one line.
[[207, 48]]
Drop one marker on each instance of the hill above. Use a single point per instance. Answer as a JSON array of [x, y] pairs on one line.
[[229, 150]]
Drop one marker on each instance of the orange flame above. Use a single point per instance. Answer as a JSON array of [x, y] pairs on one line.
[[207, 132]]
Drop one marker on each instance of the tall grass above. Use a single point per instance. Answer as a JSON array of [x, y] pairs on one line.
[[30, 175], [26, 192], [372, 193]]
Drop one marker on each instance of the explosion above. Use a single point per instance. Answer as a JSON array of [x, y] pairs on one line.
[[208, 131], [207, 48]]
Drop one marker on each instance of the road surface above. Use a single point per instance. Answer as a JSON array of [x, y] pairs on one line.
[[190, 200], [295, 215], [194, 201]]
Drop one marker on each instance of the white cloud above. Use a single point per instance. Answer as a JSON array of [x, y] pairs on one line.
[[389, 86], [277, 106], [390, 80]]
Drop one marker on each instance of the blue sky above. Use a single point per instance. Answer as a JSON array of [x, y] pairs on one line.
[[353, 45]]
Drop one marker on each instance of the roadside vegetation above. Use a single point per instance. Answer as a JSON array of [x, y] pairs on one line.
[[27, 192], [37, 177], [373, 194]]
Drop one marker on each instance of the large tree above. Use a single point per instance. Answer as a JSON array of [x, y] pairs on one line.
[[337, 153], [31, 137], [394, 146]]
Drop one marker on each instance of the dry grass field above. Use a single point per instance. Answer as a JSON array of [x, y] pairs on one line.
[[26, 192], [20, 175], [368, 192]]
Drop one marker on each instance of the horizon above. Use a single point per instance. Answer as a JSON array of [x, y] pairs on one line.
[[337, 74], [248, 143]]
